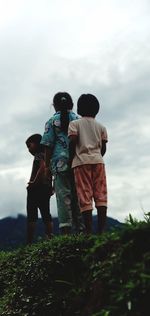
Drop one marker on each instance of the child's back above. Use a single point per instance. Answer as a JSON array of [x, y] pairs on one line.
[[56, 142], [57, 139], [39, 190], [88, 138], [90, 134]]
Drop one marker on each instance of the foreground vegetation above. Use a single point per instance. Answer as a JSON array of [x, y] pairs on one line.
[[106, 275]]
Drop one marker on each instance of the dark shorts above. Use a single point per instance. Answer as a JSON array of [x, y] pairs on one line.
[[38, 198]]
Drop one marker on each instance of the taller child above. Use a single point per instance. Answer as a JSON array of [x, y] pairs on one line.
[[88, 142], [56, 142]]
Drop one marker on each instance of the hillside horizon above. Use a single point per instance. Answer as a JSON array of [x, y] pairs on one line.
[[13, 230]]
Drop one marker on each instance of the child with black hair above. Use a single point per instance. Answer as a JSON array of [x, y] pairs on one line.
[[39, 190], [88, 142], [56, 142]]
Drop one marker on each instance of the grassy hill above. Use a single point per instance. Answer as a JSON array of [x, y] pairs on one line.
[[106, 275], [13, 230]]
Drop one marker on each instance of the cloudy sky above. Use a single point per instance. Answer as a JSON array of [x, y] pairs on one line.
[[78, 46]]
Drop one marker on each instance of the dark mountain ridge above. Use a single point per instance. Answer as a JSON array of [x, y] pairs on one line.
[[13, 230]]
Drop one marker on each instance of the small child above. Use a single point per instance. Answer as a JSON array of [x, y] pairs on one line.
[[56, 142], [39, 190], [88, 142]]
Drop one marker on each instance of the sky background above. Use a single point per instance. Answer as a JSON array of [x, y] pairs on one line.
[[78, 46]]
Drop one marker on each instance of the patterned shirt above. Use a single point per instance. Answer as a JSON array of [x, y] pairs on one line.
[[58, 141]]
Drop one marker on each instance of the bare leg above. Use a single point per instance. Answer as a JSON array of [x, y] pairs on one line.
[[30, 232], [101, 213], [66, 230], [49, 229], [87, 218]]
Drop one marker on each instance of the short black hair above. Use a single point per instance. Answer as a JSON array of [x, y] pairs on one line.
[[88, 105], [35, 138]]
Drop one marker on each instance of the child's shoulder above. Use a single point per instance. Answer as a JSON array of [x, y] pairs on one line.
[[52, 119], [74, 121], [102, 129], [55, 116], [39, 156], [73, 116], [99, 124]]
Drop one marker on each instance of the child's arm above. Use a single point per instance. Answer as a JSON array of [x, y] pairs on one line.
[[47, 158], [103, 149], [72, 147], [47, 172], [104, 138], [73, 138]]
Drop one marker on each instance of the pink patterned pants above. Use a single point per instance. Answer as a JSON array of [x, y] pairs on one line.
[[91, 185]]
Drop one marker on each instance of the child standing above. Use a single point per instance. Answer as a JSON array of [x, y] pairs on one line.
[[88, 141], [39, 190], [56, 142]]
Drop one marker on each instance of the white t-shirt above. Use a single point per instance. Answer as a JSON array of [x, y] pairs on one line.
[[90, 135]]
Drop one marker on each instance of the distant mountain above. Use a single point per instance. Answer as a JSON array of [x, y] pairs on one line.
[[13, 230]]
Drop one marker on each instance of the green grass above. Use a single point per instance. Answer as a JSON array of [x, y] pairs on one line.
[[104, 275]]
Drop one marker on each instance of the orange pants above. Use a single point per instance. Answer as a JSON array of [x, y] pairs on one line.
[[91, 185]]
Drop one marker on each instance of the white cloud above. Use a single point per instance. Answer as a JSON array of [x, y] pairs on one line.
[[78, 46]]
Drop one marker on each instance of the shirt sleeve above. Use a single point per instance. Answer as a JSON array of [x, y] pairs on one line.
[[72, 129], [104, 134], [48, 138]]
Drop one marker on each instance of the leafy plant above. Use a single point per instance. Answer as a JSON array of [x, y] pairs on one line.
[[106, 275]]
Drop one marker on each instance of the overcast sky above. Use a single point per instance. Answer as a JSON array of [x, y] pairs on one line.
[[78, 46]]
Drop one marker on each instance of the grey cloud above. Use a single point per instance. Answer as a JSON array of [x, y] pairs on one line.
[[13, 195], [35, 65]]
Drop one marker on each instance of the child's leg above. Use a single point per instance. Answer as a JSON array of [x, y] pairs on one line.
[[83, 182], [87, 218], [63, 198], [100, 194], [32, 214], [48, 229], [65, 230], [101, 214], [77, 220], [30, 231], [44, 206]]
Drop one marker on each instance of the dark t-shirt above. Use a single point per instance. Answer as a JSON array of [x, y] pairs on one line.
[[35, 167]]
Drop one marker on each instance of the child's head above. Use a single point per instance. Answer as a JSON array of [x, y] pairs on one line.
[[88, 105], [62, 100], [33, 144]]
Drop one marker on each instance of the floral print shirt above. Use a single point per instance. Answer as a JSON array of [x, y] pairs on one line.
[[56, 139]]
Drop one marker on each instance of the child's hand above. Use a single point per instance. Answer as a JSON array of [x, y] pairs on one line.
[[52, 191], [31, 183]]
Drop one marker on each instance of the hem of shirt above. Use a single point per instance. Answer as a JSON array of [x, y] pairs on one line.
[[61, 225], [101, 204], [86, 208], [72, 134], [88, 163]]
